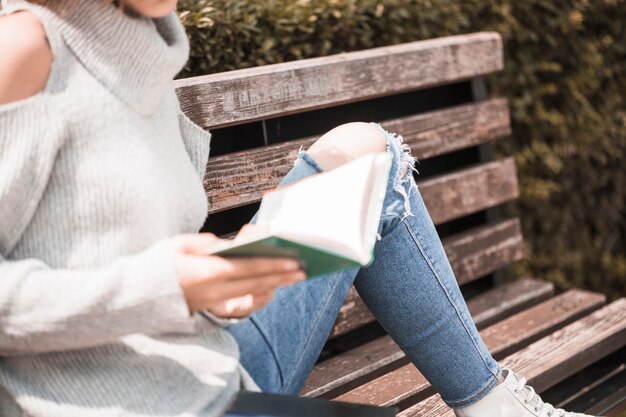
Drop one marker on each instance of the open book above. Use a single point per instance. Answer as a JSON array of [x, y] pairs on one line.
[[328, 221]]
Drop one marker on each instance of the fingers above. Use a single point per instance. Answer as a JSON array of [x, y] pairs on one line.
[[214, 296], [208, 280], [244, 268], [264, 284], [242, 306], [254, 302], [234, 307]]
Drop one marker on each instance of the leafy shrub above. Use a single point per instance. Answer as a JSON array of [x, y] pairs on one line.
[[565, 78]]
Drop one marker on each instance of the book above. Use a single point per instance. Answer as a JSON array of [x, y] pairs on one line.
[[259, 404], [328, 221]]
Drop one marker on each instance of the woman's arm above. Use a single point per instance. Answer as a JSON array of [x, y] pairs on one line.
[[43, 309]]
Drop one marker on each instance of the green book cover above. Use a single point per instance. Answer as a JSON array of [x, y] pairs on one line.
[[316, 261]]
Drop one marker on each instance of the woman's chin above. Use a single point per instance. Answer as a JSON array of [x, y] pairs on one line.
[[151, 8]]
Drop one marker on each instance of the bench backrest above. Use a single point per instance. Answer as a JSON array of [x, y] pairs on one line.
[[264, 111]]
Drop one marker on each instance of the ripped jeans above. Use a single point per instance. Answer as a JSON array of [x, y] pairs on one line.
[[410, 288]]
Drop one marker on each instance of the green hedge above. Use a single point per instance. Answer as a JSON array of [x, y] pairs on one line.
[[565, 78]]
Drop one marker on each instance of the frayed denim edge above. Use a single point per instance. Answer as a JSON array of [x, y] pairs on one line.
[[304, 156], [401, 153], [405, 162]]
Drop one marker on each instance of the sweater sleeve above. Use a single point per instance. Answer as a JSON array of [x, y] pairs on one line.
[[197, 142], [44, 309]]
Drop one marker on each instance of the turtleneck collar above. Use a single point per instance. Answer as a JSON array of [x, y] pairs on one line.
[[135, 57]]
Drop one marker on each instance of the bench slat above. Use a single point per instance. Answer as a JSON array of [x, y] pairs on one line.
[[555, 357], [240, 178], [482, 250], [443, 131], [501, 339], [470, 190], [447, 197], [505, 300], [246, 95], [336, 375], [472, 254]]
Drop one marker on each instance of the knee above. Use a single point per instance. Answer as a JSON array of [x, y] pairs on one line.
[[347, 142]]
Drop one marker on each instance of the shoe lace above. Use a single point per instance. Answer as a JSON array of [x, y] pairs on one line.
[[541, 408]]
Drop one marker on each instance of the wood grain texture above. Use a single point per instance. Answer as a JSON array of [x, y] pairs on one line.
[[469, 190], [240, 178], [443, 131], [481, 250], [505, 300], [343, 372], [246, 95], [472, 254], [501, 339], [447, 196], [555, 357], [579, 344]]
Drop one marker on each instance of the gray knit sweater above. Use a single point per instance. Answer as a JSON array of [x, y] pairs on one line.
[[96, 172]]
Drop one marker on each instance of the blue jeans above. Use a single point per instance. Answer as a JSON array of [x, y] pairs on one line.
[[410, 288]]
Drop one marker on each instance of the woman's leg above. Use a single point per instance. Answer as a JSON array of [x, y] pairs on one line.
[[410, 287], [280, 343], [413, 293]]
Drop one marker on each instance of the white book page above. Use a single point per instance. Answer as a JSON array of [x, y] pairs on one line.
[[373, 205], [330, 210]]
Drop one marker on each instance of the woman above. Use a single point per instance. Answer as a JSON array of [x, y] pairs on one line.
[[101, 274]]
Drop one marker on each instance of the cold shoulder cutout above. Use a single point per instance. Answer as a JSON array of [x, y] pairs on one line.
[[26, 56]]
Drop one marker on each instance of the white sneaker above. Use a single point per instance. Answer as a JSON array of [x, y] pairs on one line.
[[513, 398]]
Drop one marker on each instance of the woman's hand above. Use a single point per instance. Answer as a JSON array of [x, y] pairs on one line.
[[228, 287]]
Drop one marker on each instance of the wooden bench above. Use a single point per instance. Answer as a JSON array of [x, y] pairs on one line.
[[433, 93]]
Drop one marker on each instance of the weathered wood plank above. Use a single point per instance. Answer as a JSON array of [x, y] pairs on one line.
[[579, 345], [242, 177], [482, 250], [472, 254], [501, 339], [505, 300], [489, 308], [555, 357], [467, 191], [240, 96], [447, 197], [440, 132], [343, 372]]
